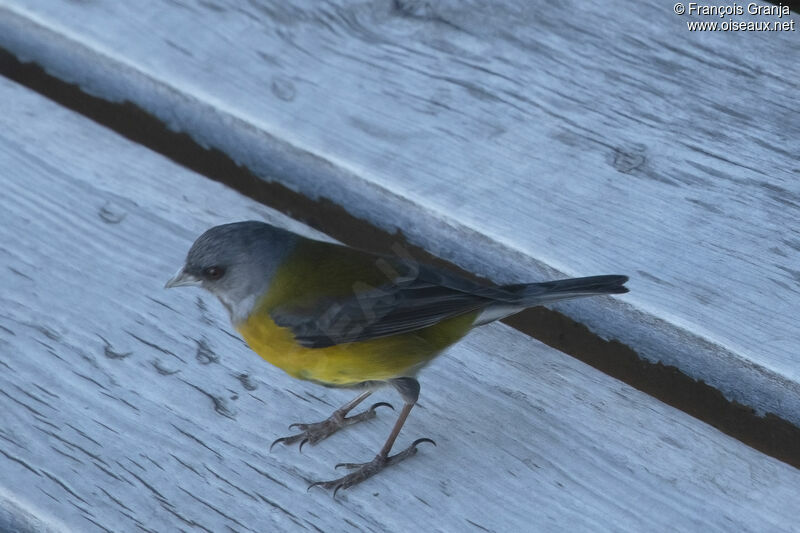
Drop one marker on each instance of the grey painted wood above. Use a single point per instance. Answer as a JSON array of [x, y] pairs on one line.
[[127, 407], [517, 140]]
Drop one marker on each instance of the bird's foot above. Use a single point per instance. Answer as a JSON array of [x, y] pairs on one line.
[[362, 471], [318, 431]]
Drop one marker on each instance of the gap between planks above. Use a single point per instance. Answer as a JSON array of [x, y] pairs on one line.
[[770, 434]]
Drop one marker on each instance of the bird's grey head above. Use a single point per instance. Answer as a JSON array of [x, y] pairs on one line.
[[235, 262]]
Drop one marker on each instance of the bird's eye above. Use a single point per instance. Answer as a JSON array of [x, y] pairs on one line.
[[213, 273]]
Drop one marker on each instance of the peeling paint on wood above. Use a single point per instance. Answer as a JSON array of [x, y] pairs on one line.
[[511, 138], [162, 440]]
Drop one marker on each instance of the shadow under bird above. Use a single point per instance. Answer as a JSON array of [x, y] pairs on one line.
[[342, 317]]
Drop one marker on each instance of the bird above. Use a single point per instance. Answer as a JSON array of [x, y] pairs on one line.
[[348, 318]]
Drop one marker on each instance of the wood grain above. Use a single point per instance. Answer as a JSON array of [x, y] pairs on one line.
[[124, 406], [516, 140]]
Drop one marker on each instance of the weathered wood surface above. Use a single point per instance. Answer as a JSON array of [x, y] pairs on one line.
[[126, 407], [517, 140]]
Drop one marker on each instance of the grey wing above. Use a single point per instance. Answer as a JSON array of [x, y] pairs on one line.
[[405, 305]]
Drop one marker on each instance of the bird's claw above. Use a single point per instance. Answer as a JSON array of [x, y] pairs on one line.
[[363, 471], [380, 404], [291, 439], [317, 431]]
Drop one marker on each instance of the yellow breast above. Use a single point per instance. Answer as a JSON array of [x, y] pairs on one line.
[[316, 268], [355, 362]]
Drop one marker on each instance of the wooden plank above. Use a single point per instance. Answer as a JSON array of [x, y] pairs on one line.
[[124, 406], [515, 140]]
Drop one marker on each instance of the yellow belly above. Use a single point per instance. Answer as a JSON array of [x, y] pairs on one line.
[[351, 363]]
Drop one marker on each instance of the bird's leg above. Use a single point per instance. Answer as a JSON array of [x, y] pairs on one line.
[[317, 431], [409, 390]]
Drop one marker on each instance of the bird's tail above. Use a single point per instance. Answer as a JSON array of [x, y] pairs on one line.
[[531, 294]]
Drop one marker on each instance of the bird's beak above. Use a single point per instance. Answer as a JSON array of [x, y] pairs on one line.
[[182, 279]]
